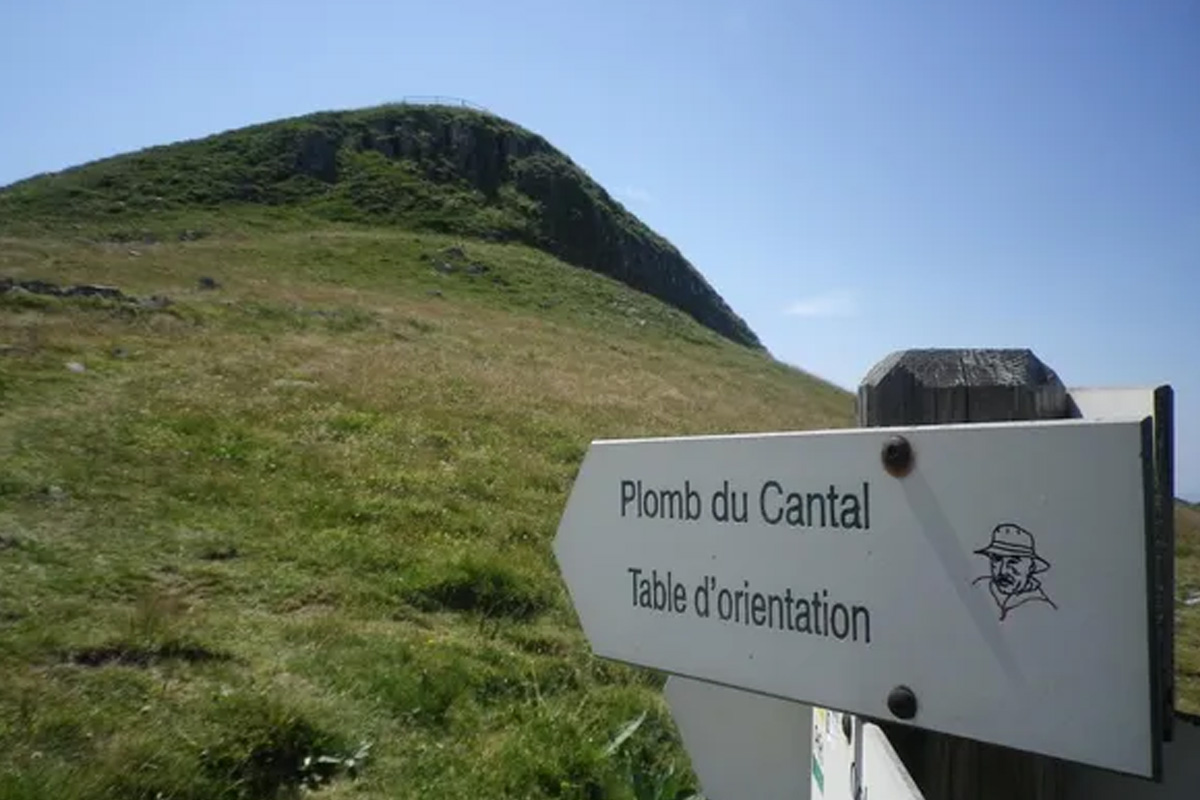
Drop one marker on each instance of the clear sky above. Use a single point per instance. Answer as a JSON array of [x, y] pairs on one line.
[[853, 177]]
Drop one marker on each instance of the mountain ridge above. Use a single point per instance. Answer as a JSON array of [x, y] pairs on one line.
[[435, 168]]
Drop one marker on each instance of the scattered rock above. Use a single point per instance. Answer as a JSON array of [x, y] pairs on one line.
[[208, 283], [1192, 599], [293, 382], [445, 267], [9, 349], [436, 293], [454, 252], [76, 367], [120, 352], [39, 287], [94, 290], [477, 269], [156, 302], [192, 236], [55, 494], [53, 290], [135, 252], [8, 542]]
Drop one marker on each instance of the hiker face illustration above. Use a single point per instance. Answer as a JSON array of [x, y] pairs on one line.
[[1010, 573], [1015, 567]]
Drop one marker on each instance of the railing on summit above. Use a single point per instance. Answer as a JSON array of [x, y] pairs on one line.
[[441, 100]]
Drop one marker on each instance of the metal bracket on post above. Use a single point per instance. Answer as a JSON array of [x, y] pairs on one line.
[[856, 771]]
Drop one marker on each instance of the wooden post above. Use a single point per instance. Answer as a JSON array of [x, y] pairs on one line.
[[939, 387]]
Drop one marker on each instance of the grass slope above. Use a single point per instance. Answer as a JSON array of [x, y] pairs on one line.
[[295, 530], [1187, 615]]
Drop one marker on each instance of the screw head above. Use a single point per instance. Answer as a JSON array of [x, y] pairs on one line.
[[897, 456], [902, 702]]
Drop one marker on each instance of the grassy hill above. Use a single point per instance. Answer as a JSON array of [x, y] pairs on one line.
[[276, 511], [311, 509], [429, 168]]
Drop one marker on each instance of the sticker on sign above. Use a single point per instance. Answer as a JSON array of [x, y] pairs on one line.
[[989, 581]]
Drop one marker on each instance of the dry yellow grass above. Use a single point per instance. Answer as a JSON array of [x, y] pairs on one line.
[[1187, 616]]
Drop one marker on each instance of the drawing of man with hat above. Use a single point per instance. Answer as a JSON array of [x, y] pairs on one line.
[[1015, 564]]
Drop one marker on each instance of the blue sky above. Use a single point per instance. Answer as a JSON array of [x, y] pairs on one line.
[[853, 177]]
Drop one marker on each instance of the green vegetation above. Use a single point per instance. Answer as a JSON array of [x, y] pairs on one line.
[[295, 530], [1187, 616], [427, 168]]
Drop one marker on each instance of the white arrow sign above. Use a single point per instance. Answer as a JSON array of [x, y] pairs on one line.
[[998, 590]]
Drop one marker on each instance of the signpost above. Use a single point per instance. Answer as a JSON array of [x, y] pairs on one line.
[[989, 581]]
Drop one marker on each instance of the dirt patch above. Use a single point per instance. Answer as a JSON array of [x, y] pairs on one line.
[[129, 655], [219, 553]]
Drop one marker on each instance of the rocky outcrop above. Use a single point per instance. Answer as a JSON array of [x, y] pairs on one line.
[[578, 222], [12, 286]]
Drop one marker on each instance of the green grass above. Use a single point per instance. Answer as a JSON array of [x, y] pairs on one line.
[[295, 531], [1187, 617]]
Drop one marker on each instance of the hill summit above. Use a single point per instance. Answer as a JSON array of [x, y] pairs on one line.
[[437, 168], [285, 440]]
